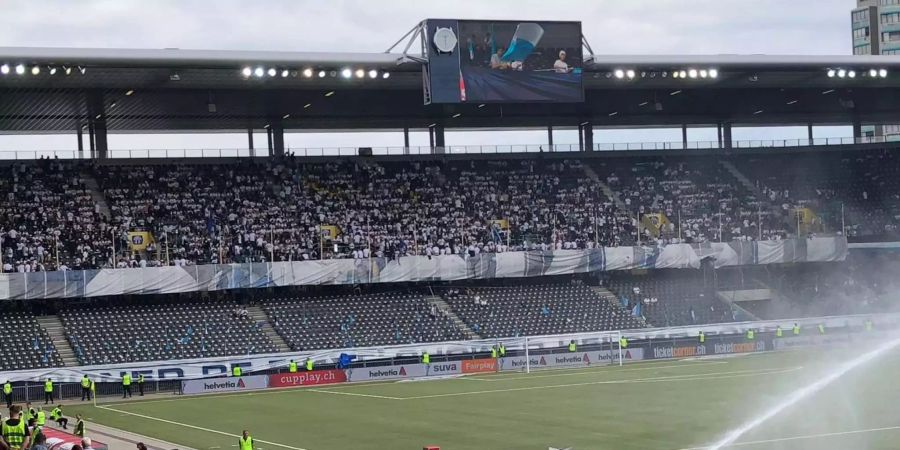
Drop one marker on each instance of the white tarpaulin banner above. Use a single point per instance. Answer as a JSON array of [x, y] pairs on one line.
[[156, 280]]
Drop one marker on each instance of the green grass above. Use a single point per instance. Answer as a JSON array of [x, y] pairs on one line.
[[662, 405]]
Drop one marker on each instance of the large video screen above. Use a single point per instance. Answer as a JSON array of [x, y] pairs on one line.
[[512, 61]]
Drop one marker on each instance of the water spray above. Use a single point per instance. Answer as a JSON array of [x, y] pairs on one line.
[[804, 392]]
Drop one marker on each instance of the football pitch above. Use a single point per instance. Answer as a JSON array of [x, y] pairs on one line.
[[666, 405]]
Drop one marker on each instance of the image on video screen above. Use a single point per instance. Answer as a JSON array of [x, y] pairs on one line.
[[520, 62]]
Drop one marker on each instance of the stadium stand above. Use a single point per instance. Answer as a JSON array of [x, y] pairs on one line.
[[536, 309], [24, 344], [364, 320], [696, 190], [150, 332], [47, 208], [670, 297], [859, 189]]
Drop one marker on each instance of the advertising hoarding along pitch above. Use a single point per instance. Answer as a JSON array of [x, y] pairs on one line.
[[314, 378], [231, 384]]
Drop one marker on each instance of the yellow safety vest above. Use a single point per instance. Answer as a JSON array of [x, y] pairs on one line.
[[702, 337], [573, 347], [56, 414], [778, 332], [236, 371], [309, 365], [48, 386], [85, 382], [140, 379], [623, 342], [502, 350], [750, 335], [796, 330], [293, 367], [821, 329], [7, 389], [41, 418], [14, 434], [126, 380], [493, 352], [246, 444], [426, 358], [79, 428]]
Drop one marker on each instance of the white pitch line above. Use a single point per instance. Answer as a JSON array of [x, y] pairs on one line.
[[690, 377], [354, 394], [808, 436], [208, 430], [586, 371]]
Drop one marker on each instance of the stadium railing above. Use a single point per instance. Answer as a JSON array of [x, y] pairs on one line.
[[452, 149]]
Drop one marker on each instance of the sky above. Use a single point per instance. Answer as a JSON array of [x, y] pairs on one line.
[[610, 26]]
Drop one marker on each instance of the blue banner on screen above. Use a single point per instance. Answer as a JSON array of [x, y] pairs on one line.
[[504, 61]]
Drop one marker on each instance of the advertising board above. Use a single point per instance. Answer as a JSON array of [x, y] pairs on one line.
[[231, 384], [314, 378]]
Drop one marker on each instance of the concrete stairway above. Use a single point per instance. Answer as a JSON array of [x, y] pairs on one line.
[[96, 194], [448, 311], [609, 296], [57, 334], [259, 316], [752, 188], [607, 191]]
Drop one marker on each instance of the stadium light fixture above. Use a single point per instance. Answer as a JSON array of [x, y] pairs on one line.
[[841, 73], [851, 74], [52, 70], [306, 106], [759, 111], [457, 115], [614, 113], [386, 75], [246, 72], [675, 92], [259, 72], [272, 72], [714, 73], [82, 69], [129, 92], [329, 93], [373, 73], [333, 73], [67, 70], [873, 73], [882, 73], [481, 105], [619, 73], [826, 92], [286, 116], [308, 73], [630, 74], [791, 102], [266, 126], [346, 73], [682, 74], [704, 73], [675, 74], [321, 74], [692, 73], [4, 69], [360, 73], [831, 73], [20, 69], [285, 73]]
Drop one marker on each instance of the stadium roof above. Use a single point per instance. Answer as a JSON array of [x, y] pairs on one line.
[[171, 89]]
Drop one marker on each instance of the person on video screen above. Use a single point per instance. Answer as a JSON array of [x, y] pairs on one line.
[[560, 66], [496, 62]]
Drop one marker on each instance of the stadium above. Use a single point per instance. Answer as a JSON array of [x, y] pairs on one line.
[[687, 294]]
